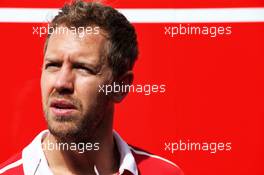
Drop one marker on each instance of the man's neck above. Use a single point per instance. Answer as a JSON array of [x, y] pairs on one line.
[[102, 154]]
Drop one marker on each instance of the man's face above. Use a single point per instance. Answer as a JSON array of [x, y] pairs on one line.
[[73, 70]]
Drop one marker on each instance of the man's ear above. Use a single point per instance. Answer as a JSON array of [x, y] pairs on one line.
[[123, 82]]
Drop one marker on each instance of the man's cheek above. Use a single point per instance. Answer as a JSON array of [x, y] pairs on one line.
[[46, 91], [44, 83], [48, 83]]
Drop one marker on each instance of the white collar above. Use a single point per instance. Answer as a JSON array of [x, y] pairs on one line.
[[35, 162], [127, 160]]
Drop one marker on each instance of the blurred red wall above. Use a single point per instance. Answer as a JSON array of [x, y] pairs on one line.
[[214, 90]]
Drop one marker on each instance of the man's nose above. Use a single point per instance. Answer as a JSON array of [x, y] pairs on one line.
[[64, 82]]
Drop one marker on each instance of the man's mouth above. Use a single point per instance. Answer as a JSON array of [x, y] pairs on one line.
[[62, 107]]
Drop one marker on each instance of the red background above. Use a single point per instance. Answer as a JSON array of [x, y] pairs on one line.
[[214, 90]]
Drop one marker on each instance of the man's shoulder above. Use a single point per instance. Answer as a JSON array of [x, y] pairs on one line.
[[13, 166], [152, 164]]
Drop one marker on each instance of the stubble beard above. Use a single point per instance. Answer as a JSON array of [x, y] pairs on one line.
[[81, 128]]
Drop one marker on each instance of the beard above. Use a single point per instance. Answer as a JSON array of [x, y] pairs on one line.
[[80, 127]]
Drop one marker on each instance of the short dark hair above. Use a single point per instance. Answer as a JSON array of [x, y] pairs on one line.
[[122, 49]]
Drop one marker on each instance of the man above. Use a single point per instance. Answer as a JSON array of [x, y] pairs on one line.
[[89, 46]]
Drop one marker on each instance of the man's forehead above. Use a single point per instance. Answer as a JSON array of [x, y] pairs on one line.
[[70, 41], [80, 35]]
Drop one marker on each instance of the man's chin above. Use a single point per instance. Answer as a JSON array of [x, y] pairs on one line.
[[71, 129], [63, 130]]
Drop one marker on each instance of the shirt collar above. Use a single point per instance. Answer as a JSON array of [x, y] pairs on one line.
[[35, 162], [33, 157], [127, 160]]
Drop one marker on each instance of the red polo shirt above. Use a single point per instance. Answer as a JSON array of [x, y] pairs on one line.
[[32, 161]]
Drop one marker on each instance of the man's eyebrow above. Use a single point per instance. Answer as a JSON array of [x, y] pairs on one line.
[[81, 63], [52, 59], [78, 63], [96, 68]]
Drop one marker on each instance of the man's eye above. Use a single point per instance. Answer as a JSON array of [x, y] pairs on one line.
[[84, 69], [51, 65]]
